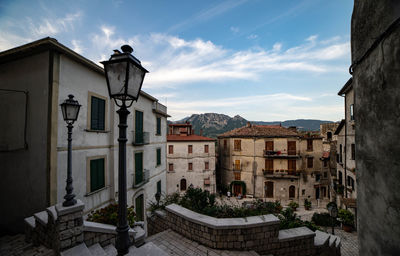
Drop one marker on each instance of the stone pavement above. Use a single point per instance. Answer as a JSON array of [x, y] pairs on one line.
[[349, 242], [16, 245], [175, 244]]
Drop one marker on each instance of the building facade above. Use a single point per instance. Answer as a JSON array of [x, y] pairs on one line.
[[274, 162], [34, 136], [191, 160]]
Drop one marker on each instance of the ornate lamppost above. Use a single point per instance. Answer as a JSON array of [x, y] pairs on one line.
[[70, 110], [124, 74], [333, 211]]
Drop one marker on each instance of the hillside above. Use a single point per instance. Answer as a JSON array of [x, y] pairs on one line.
[[214, 124]]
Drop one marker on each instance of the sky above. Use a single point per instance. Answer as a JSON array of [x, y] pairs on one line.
[[264, 60]]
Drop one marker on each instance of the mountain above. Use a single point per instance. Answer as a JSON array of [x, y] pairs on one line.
[[214, 124]]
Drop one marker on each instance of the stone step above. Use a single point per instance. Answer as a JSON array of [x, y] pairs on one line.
[[148, 249], [79, 250], [52, 212], [30, 221], [338, 242], [139, 236], [321, 239], [110, 250], [332, 241], [97, 250], [41, 217]]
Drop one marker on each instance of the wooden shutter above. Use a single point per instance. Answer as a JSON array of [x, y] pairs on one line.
[[158, 156], [206, 165], [269, 164], [291, 146], [310, 162], [97, 114], [171, 167], [138, 126], [309, 145], [96, 174], [237, 176], [237, 165], [269, 145], [158, 125], [237, 145], [205, 148], [139, 208], [170, 149], [190, 166], [190, 149], [138, 167]]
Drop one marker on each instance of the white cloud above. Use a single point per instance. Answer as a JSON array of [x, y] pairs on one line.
[[252, 36], [51, 26], [77, 46], [234, 30]]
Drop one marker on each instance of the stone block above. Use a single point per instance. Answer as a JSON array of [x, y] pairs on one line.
[[79, 238], [68, 233], [65, 243], [78, 230]]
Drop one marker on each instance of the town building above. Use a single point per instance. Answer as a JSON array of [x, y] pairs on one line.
[[273, 162], [346, 150], [34, 80], [191, 160]]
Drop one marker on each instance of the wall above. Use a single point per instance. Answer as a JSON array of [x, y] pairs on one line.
[[180, 159], [25, 172], [376, 87]]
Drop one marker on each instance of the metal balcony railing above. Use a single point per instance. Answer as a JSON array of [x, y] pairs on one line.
[[159, 108], [281, 154], [140, 138], [280, 173], [141, 178]]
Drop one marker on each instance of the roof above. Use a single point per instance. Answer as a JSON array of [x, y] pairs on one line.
[[339, 128], [348, 85], [49, 43], [184, 125], [260, 131], [192, 137]]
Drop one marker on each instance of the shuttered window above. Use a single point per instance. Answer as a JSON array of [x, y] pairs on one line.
[[190, 149], [269, 145], [309, 145], [269, 164], [159, 186], [310, 162], [291, 146], [97, 180], [205, 148], [190, 166], [97, 114], [158, 132], [206, 165], [138, 167], [170, 149], [158, 156], [237, 145]]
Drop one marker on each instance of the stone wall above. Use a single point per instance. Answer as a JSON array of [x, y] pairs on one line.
[[376, 83], [258, 233]]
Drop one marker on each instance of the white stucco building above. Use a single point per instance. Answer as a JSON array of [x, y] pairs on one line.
[[34, 80], [191, 160]]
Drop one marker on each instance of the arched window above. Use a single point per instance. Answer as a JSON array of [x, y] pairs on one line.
[[183, 184], [292, 191]]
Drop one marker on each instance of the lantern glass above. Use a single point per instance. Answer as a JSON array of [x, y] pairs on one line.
[[135, 80], [116, 74], [70, 109]]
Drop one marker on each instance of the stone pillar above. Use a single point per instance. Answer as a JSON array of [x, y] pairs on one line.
[[69, 225], [376, 82]]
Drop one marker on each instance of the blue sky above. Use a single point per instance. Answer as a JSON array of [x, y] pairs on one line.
[[265, 60]]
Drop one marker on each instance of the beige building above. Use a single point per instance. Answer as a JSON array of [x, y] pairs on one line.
[[274, 162], [346, 150], [190, 159]]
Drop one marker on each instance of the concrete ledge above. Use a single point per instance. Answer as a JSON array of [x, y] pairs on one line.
[[30, 221], [61, 210], [223, 223], [41, 217], [95, 227], [295, 234], [52, 211], [321, 238]]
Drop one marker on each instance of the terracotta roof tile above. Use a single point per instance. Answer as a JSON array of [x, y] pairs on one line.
[[192, 137], [260, 131]]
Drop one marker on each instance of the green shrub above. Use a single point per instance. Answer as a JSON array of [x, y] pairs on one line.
[[346, 217], [307, 204], [288, 219], [293, 205], [109, 215], [323, 219]]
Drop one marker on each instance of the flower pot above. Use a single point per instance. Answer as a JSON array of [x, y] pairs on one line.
[[347, 228]]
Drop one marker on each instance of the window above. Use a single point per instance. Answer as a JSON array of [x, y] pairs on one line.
[[206, 166], [317, 177], [190, 166], [237, 175], [350, 182], [138, 168], [303, 192], [171, 167], [158, 131], [325, 163], [269, 165], [205, 148], [159, 187], [158, 156], [325, 174], [340, 153], [237, 165], [353, 151], [340, 178], [190, 149], [352, 112], [225, 144], [97, 113], [97, 178], [291, 147], [183, 184], [139, 207], [170, 149], [237, 145], [269, 145], [309, 145], [310, 162], [139, 136], [329, 135], [292, 191], [292, 165]]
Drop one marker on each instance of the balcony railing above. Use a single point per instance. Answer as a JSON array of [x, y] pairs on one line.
[[159, 108], [141, 138], [281, 173], [141, 178], [281, 154]]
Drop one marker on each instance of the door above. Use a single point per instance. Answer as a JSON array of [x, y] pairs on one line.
[[316, 193], [237, 189], [291, 146], [237, 165], [139, 208], [138, 127], [138, 167], [292, 166], [269, 189], [183, 184], [292, 191]]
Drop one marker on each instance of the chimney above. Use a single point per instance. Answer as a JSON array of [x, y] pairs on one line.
[[293, 128], [201, 132], [248, 124]]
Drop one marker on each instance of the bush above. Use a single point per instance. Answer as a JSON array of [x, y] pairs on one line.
[[288, 219], [307, 204], [346, 217], [323, 219], [109, 215], [293, 205]]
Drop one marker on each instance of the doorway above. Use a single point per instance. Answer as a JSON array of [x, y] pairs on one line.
[[139, 205], [269, 189]]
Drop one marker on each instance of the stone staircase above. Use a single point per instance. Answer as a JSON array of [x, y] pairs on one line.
[[327, 244]]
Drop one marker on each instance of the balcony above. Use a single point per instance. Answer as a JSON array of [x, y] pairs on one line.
[[140, 138], [141, 178], [290, 174], [281, 154], [159, 109]]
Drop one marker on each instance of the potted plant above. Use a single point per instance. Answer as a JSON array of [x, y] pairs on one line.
[[307, 204], [347, 219], [293, 205]]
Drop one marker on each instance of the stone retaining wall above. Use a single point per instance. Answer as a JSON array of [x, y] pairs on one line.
[[103, 234]]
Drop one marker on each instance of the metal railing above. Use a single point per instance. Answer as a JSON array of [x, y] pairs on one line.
[[281, 153], [159, 108], [141, 178], [141, 138]]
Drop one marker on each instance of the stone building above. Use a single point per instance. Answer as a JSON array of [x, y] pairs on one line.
[[346, 150], [191, 159], [273, 162], [34, 80]]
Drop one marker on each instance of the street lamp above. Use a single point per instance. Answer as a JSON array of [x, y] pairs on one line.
[[70, 110], [333, 211], [124, 75]]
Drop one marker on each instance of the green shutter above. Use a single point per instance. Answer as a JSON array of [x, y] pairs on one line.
[[158, 126], [101, 113], [139, 208], [159, 187], [97, 174], [138, 167], [97, 114], [138, 126], [158, 156]]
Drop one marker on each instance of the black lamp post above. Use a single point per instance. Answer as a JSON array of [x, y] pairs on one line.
[[70, 110], [333, 211], [124, 75]]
